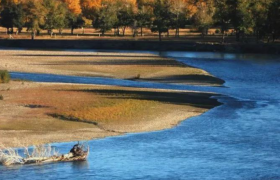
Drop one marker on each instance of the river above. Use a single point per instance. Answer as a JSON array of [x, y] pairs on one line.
[[237, 140]]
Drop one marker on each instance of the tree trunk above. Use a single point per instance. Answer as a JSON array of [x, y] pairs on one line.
[[203, 33], [177, 26], [257, 36], [72, 30], [135, 29], [237, 35], [273, 37], [159, 36], [242, 36], [124, 30], [223, 37], [268, 39], [33, 35], [135, 32], [178, 32], [141, 30]]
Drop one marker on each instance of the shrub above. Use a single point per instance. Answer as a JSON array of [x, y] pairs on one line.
[[1, 97], [217, 31], [4, 76]]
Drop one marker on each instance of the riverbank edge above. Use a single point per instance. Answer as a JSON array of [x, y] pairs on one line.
[[140, 45]]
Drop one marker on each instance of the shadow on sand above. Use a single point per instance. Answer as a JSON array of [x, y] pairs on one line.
[[195, 99], [188, 79]]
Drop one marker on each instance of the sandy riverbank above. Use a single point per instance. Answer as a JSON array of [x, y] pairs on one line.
[[45, 113], [134, 66]]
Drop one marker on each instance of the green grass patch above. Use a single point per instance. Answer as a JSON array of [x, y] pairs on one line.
[[4, 76]]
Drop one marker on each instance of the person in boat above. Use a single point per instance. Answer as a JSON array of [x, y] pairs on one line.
[[77, 150]]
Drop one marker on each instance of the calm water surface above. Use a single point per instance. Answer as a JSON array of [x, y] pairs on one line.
[[238, 140]]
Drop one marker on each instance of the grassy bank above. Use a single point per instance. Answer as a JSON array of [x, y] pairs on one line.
[[43, 113], [4, 76]]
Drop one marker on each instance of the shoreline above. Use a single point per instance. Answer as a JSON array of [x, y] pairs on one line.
[[140, 45]]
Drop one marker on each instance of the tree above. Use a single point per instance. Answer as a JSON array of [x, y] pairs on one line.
[[203, 18], [55, 15], [241, 17], [90, 8], [125, 14], [273, 21], [143, 15], [162, 16], [12, 16], [35, 16], [179, 15], [5, 3], [75, 21], [259, 10], [74, 16], [73, 6], [107, 17], [222, 16]]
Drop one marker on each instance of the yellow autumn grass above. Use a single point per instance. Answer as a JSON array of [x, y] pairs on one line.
[[111, 111], [33, 111], [72, 102]]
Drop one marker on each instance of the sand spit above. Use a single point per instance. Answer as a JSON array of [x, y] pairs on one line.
[[133, 66], [44, 113]]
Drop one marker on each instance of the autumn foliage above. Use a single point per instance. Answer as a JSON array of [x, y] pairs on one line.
[[255, 17], [73, 5]]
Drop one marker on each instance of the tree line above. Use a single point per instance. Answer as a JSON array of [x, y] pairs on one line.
[[260, 18]]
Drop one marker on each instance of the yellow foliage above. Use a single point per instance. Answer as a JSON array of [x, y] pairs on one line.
[[8, 2], [91, 4], [73, 6]]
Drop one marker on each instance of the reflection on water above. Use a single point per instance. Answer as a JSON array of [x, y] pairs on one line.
[[238, 140], [217, 55], [78, 165]]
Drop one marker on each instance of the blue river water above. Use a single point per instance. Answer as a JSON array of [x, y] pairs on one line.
[[237, 140]]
